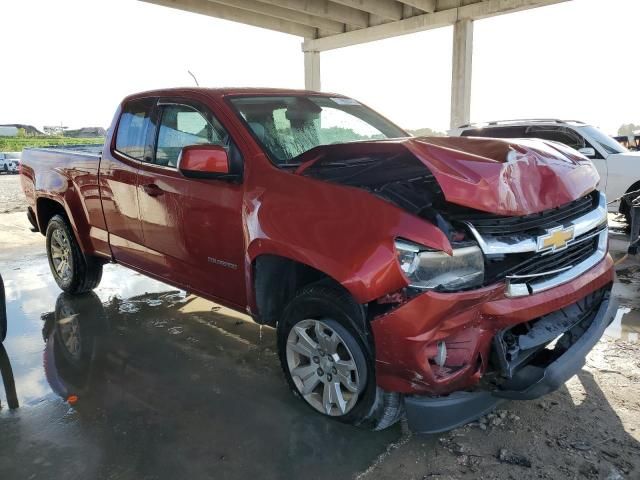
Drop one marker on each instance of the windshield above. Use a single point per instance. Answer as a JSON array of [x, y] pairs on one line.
[[605, 141], [288, 126]]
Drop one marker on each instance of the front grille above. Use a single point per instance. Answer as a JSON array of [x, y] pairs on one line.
[[499, 233], [497, 225], [540, 263]]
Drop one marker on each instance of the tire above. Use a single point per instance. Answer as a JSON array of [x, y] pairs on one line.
[[73, 272], [625, 210], [330, 318], [625, 204]]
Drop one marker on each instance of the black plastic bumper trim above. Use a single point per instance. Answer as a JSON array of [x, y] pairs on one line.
[[565, 367], [439, 414]]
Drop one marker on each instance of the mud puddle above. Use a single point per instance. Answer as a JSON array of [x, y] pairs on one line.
[[142, 381]]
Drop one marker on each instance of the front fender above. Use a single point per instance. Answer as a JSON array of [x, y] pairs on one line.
[[346, 233], [362, 288]]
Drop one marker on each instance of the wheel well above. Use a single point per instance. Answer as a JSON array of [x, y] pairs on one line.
[[624, 206], [46, 209], [277, 280]]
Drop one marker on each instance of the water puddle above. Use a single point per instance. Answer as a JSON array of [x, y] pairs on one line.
[[138, 377], [626, 325]]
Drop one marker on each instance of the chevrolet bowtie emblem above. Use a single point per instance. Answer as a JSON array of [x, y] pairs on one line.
[[555, 239]]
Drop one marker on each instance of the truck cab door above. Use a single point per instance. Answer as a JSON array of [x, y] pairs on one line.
[[128, 146], [192, 227]]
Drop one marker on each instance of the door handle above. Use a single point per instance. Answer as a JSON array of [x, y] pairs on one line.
[[152, 190]]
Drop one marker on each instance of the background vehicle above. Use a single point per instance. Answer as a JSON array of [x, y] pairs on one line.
[[619, 168], [8, 165], [428, 274]]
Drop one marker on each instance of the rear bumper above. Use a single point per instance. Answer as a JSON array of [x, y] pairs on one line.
[[431, 415]]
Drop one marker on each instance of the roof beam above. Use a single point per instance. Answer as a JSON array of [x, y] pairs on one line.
[[490, 8], [427, 21], [428, 6], [389, 9], [325, 9], [205, 7], [329, 26], [415, 24]]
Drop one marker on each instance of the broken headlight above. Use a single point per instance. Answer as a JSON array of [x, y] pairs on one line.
[[435, 270]]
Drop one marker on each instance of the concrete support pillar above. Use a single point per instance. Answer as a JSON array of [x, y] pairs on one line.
[[312, 70], [461, 74]]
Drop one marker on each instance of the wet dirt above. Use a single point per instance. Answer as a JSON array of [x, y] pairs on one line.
[[11, 196], [141, 381]]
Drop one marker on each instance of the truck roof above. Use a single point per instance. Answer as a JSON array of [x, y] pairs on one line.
[[227, 91]]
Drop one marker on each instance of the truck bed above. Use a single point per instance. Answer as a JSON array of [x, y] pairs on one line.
[[67, 176], [82, 149]]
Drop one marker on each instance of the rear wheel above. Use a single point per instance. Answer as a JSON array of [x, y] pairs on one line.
[[71, 270], [328, 362]]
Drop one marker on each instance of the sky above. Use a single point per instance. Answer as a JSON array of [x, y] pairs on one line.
[[71, 62]]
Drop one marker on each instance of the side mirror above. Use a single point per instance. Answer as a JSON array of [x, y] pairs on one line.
[[588, 152], [204, 161]]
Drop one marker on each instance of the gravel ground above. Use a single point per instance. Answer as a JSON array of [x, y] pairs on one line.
[[588, 429], [11, 196]]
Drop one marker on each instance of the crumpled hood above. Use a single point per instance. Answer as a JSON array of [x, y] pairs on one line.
[[500, 176], [505, 176]]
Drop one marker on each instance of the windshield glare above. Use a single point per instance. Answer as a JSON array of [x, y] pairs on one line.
[[288, 126], [609, 144]]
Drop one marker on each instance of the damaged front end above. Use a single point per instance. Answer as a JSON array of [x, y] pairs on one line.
[[522, 295], [495, 201]]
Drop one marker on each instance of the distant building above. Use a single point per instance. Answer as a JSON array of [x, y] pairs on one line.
[[55, 130], [8, 131], [86, 132], [29, 130]]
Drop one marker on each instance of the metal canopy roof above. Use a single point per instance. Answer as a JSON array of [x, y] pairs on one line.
[[326, 25], [330, 24]]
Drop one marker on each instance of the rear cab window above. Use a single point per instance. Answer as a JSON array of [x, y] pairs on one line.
[[133, 137]]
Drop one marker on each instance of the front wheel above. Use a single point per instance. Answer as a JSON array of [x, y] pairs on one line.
[[71, 270], [328, 362]]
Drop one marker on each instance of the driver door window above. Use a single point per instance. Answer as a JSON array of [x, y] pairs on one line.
[[180, 126]]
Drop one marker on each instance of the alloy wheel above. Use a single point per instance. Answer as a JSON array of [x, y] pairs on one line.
[[61, 256], [322, 367]]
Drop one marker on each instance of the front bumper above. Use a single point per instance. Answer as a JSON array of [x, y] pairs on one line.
[[431, 415], [467, 322]]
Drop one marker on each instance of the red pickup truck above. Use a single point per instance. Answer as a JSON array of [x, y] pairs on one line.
[[432, 276]]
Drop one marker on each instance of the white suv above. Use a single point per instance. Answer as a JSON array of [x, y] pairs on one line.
[[619, 168], [8, 165]]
